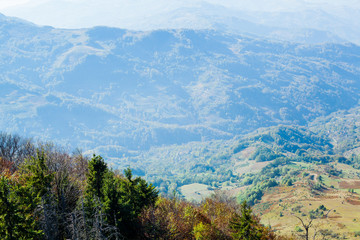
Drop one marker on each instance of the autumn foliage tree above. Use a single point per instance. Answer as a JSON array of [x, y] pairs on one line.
[[50, 194], [213, 219]]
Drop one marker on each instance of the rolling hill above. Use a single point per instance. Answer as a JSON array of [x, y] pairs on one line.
[[196, 111], [116, 91]]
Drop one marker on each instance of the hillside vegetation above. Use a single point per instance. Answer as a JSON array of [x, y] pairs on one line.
[[275, 169], [117, 91], [47, 193], [291, 176], [209, 126]]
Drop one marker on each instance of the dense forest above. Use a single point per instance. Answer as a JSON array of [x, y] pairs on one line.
[[47, 193]]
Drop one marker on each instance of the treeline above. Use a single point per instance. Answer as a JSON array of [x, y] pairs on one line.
[[47, 193]]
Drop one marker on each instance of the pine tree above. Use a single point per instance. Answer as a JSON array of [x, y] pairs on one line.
[[137, 192], [95, 180], [17, 212], [246, 226], [125, 198], [241, 225], [94, 197], [37, 177]]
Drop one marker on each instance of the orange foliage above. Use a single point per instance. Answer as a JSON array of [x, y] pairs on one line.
[[6, 166], [178, 219]]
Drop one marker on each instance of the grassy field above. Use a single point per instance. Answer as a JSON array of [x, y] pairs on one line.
[[335, 209], [196, 192]]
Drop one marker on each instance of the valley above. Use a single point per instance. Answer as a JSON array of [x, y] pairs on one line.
[[198, 113]]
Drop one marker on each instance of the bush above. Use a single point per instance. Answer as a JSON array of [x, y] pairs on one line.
[[298, 229], [322, 207], [305, 174]]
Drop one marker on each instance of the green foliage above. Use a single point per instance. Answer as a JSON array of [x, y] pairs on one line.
[[95, 179], [37, 174], [317, 186], [216, 163], [263, 154], [298, 229], [246, 226], [200, 231], [215, 218], [241, 225], [318, 213], [287, 181], [133, 195], [353, 161], [16, 212], [254, 194], [322, 207], [120, 199], [53, 195], [240, 147]]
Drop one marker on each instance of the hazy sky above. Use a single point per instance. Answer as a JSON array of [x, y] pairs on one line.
[[131, 13]]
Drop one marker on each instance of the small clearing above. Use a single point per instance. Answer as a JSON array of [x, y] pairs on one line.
[[196, 192]]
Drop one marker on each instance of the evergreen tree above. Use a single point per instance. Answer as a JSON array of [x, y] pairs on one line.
[[241, 225], [95, 180], [247, 227], [137, 192], [125, 198], [114, 208], [93, 197], [37, 175], [16, 213]]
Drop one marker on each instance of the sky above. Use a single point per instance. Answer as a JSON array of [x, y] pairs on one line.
[[131, 13]]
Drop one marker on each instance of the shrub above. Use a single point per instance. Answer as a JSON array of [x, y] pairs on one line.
[[298, 229]]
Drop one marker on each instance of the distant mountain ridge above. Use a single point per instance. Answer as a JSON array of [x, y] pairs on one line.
[[295, 21], [113, 90]]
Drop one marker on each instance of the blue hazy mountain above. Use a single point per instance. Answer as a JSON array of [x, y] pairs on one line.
[[114, 90]]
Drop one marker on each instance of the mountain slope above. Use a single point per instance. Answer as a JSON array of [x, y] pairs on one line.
[[113, 90]]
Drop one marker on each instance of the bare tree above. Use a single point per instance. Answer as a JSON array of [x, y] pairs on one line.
[[310, 224], [14, 148], [48, 219], [78, 224], [306, 226], [83, 227], [80, 165]]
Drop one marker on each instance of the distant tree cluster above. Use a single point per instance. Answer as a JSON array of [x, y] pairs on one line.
[[263, 154]]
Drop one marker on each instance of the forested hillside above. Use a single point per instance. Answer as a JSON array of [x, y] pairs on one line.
[[198, 128], [46, 193], [218, 163], [284, 172], [117, 91]]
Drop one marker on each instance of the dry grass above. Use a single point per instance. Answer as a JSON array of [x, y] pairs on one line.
[[252, 166], [284, 203], [196, 192], [350, 184]]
